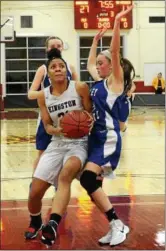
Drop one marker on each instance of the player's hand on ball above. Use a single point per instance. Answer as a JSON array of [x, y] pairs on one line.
[[59, 132], [59, 129], [76, 124], [91, 121]]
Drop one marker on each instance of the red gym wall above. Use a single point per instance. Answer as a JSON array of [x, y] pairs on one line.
[[140, 87]]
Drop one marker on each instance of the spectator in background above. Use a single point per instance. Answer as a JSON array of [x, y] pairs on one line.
[[159, 83]]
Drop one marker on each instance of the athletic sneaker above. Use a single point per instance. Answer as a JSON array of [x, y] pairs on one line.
[[32, 232], [116, 235], [49, 233]]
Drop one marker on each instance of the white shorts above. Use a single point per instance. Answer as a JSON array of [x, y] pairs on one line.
[[54, 157]]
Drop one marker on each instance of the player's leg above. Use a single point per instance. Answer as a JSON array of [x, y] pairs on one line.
[[42, 142], [37, 191], [46, 172], [39, 153], [73, 163], [89, 180], [118, 230]]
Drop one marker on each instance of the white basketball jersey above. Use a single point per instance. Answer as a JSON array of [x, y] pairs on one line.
[[57, 106], [46, 82]]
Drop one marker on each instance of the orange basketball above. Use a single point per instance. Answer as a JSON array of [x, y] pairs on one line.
[[76, 124]]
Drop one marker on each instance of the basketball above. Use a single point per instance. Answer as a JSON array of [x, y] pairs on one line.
[[76, 124]]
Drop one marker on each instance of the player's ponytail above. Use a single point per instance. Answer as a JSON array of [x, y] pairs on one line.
[[54, 53], [128, 73]]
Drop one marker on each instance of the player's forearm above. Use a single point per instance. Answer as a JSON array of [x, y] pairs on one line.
[[50, 129], [33, 94], [91, 65], [115, 42], [133, 87], [87, 104], [88, 108], [92, 55]]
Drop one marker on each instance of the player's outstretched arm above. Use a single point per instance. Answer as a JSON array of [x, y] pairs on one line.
[[91, 64], [117, 73], [33, 91], [74, 73]]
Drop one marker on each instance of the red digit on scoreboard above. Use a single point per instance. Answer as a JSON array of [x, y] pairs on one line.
[[95, 12]]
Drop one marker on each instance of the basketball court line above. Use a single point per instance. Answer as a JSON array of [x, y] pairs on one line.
[[123, 175], [76, 206]]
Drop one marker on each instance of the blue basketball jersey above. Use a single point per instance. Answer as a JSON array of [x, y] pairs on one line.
[[123, 106], [46, 82], [104, 107], [69, 72], [104, 146]]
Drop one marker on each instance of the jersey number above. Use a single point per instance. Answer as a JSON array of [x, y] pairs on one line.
[[62, 114]]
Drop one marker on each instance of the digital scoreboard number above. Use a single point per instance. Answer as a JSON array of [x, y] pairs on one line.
[[95, 14]]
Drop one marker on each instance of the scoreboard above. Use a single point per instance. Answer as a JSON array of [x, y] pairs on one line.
[[95, 14]]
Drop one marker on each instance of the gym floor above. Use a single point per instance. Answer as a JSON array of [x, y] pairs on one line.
[[137, 193]]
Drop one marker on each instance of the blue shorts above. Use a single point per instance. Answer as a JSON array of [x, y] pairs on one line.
[[42, 138], [104, 148]]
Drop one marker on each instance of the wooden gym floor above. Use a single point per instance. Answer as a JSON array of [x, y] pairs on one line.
[[137, 193]]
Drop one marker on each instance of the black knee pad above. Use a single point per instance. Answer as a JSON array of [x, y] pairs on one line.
[[89, 182], [99, 183]]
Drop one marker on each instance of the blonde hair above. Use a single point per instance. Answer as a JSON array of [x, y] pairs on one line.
[[106, 53], [127, 67]]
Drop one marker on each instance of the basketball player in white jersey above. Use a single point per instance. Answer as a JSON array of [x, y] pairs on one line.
[[64, 158], [41, 81]]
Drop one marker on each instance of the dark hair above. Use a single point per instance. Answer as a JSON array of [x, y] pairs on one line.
[[52, 54], [50, 38], [128, 73]]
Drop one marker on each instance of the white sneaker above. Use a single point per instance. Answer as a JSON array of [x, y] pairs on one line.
[[116, 235]]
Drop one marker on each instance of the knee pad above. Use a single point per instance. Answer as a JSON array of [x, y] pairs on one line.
[[89, 182], [100, 183]]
